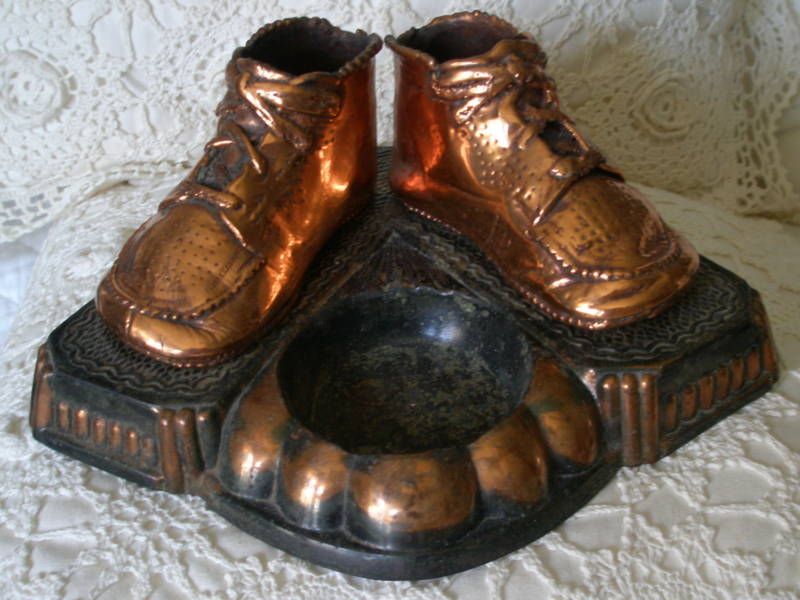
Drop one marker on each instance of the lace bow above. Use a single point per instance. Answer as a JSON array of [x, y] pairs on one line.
[[515, 67]]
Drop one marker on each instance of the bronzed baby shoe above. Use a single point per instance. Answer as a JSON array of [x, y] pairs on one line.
[[293, 158], [482, 146]]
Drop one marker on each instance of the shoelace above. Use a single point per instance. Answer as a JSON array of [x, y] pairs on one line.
[[517, 68], [228, 134], [274, 101], [513, 73]]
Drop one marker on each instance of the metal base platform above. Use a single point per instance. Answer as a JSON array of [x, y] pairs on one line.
[[652, 387]]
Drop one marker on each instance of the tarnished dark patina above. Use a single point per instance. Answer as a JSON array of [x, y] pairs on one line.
[[413, 416], [417, 410]]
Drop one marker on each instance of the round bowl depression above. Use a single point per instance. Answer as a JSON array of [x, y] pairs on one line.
[[405, 371]]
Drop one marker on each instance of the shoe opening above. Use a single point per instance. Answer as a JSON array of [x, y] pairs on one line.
[[459, 36], [306, 45]]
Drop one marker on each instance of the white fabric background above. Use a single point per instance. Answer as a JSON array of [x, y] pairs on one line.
[[103, 105]]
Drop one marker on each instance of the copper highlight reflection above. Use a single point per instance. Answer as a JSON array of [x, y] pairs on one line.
[[415, 493], [42, 408], [250, 451], [312, 476], [481, 144], [566, 415], [293, 158], [511, 460]]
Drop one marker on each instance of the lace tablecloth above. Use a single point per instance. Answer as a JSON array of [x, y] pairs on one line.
[[103, 105]]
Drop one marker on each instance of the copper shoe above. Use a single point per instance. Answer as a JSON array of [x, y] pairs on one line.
[[294, 157], [481, 145]]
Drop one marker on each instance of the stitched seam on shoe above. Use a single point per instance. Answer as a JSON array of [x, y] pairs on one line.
[[614, 274], [171, 315]]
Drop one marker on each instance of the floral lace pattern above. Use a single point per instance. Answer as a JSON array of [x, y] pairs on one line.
[[99, 127], [681, 95]]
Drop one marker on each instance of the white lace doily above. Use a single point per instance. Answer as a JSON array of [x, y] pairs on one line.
[[97, 126], [684, 95]]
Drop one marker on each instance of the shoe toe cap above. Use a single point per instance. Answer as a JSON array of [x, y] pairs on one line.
[[183, 290], [182, 262], [182, 342], [616, 301], [612, 260]]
